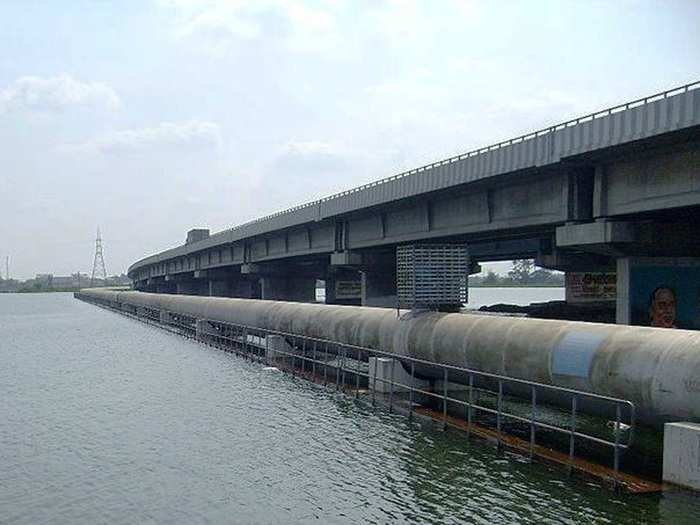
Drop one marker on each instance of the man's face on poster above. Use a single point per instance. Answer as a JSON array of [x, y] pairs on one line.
[[663, 308]]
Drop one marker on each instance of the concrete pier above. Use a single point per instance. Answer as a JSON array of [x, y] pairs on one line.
[[288, 288], [682, 454]]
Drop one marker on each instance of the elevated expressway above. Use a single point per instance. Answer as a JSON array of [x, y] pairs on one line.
[[577, 196]]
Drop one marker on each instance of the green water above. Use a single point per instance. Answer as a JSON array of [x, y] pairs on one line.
[[106, 420]]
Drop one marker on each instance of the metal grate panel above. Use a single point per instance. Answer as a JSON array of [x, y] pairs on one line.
[[431, 275]]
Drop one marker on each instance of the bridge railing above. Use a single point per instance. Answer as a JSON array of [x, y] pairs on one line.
[[484, 394], [521, 138], [492, 399], [478, 151]]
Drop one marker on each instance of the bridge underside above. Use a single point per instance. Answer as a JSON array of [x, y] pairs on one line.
[[610, 211]]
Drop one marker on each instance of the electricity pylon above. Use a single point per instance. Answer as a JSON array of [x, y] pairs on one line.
[[98, 267]]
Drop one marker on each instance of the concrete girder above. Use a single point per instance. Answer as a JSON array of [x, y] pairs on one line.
[[604, 237], [630, 238]]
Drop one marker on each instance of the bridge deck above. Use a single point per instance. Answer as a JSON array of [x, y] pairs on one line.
[[645, 118]]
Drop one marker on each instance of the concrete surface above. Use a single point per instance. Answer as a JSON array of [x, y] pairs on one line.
[[682, 454]]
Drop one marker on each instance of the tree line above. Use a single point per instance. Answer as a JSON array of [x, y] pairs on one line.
[[524, 273]]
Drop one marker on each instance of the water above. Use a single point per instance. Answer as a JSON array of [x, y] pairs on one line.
[[491, 295], [106, 420], [520, 296]]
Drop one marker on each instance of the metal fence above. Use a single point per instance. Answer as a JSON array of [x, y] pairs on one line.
[[345, 367], [430, 275]]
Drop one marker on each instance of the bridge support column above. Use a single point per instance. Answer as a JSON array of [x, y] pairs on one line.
[[219, 289], [344, 286], [166, 287], [343, 279], [245, 289], [379, 281], [299, 289], [189, 288]]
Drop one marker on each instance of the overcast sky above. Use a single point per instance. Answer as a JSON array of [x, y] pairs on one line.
[[147, 118]]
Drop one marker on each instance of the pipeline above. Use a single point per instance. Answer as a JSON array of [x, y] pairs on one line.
[[657, 369]]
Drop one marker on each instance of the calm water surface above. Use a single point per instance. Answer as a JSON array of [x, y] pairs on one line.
[[480, 296], [106, 420]]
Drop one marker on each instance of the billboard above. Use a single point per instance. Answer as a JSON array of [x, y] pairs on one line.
[[589, 287], [348, 289], [663, 293]]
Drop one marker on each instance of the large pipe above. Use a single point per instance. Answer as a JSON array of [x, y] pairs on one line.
[[657, 369]]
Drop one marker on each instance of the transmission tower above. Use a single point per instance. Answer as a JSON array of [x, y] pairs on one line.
[[98, 267]]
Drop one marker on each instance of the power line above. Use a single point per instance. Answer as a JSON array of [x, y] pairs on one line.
[[98, 266]]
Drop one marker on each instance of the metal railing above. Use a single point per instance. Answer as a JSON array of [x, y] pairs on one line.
[[516, 140], [333, 362], [345, 367], [521, 138]]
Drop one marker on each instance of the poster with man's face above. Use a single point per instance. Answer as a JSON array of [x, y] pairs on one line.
[[665, 296]]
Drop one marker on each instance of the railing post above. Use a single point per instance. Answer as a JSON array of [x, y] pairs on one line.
[[303, 356], [444, 398], [532, 421], [374, 382], [337, 369], [498, 414], [471, 403], [572, 435], [357, 374], [342, 366], [259, 350], [292, 357], [616, 456], [313, 363], [325, 364], [410, 395], [391, 385]]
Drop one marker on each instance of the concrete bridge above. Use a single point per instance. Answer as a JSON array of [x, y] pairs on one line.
[[608, 192]]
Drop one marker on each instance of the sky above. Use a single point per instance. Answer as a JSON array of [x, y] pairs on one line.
[[146, 118]]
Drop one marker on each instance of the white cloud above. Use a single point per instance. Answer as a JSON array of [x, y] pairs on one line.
[[216, 19], [55, 93], [312, 157], [301, 27], [167, 135], [332, 29], [311, 148]]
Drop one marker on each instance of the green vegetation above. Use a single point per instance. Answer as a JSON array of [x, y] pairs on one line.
[[524, 273], [46, 283], [39, 288]]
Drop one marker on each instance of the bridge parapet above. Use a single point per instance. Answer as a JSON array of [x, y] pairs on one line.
[[662, 113]]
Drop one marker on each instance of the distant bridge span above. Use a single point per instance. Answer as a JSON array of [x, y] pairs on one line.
[[581, 195]]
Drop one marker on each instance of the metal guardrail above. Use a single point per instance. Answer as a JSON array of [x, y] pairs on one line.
[[253, 343], [343, 365], [516, 140], [485, 149]]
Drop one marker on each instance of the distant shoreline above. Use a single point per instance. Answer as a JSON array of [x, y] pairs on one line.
[[500, 285], [60, 290], [503, 285]]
